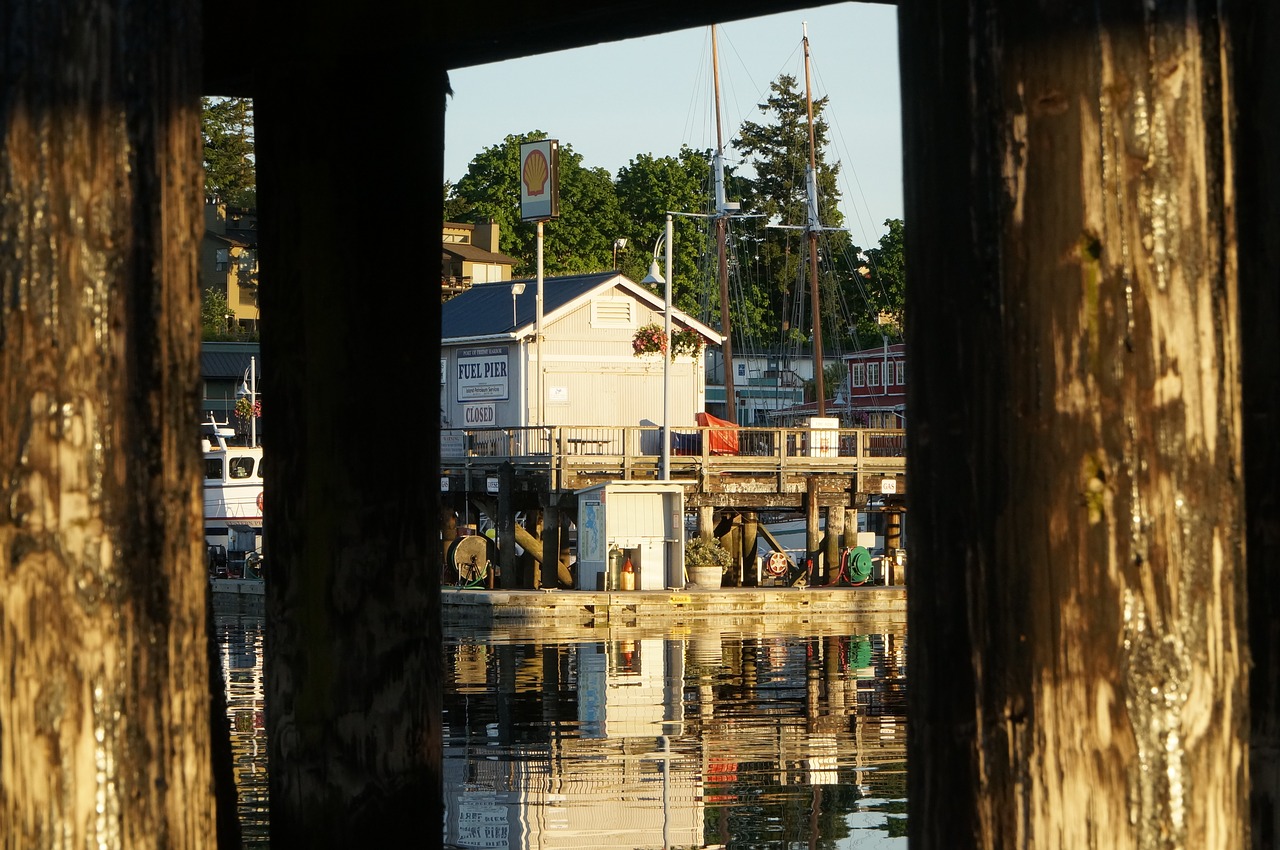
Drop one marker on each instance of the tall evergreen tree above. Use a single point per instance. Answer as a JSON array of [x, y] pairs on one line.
[[778, 152], [226, 126]]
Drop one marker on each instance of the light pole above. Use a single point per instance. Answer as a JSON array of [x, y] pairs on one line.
[[249, 389], [655, 277], [516, 289], [619, 244]]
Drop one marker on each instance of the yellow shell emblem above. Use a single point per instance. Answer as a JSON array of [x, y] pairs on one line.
[[535, 173]]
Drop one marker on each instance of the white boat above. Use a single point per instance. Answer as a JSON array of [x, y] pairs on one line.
[[232, 511]]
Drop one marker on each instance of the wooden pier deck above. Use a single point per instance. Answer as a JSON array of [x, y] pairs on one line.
[[767, 467], [813, 606]]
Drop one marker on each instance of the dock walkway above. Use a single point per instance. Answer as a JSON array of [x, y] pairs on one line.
[[729, 605]]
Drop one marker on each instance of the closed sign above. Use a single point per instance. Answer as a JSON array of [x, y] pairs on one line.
[[479, 415]]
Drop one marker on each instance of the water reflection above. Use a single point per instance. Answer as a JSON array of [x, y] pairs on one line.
[[239, 635], [749, 737], [737, 738]]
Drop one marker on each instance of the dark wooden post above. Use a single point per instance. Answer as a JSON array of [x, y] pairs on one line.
[[350, 128], [1078, 660], [551, 534], [104, 699], [1255, 28]]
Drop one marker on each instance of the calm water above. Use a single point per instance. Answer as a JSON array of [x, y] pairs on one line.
[[738, 738]]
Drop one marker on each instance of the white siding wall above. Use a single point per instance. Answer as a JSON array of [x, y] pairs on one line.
[[590, 376]]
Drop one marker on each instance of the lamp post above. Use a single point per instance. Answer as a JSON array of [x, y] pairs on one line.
[[516, 289], [655, 277], [249, 389], [619, 244]]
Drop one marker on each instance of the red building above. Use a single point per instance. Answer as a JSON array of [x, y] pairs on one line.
[[875, 392]]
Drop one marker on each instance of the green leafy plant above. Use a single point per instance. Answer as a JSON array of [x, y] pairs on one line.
[[650, 339], [701, 551]]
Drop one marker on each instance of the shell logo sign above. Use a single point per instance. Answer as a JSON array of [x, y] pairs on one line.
[[539, 180], [535, 174]]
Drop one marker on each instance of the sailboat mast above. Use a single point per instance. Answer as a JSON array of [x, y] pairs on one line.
[[811, 191], [722, 225]]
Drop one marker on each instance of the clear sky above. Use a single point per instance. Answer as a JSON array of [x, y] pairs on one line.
[[611, 102]]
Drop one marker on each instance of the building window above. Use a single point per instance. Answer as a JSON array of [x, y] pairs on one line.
[[856, 375], [873, 374], [888, 374], [742, 370], [900, 367], [221, 259]]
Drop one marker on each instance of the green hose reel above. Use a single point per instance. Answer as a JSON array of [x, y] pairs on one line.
[[856, 564]]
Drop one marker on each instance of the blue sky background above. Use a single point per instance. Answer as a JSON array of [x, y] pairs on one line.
[[611, 102]]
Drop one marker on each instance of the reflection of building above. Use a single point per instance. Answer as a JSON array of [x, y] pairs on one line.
[[646, 741], [614, 783], [240, 644]]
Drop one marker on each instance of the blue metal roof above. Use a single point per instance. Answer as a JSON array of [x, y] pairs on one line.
[[485, 308]]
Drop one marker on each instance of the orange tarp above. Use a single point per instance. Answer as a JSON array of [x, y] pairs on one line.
[[723, 434]]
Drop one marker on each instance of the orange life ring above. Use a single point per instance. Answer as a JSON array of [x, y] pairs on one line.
[[259, 502]]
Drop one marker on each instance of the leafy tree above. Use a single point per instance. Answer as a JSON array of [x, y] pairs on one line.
[[648, 188], [227, 129], [213, 316], [455, 208], [880, 278], [580, 240]]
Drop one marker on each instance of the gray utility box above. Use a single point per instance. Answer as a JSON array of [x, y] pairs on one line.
[[638, 520]]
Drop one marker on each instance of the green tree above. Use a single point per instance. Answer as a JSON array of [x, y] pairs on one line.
[[779, 152], [580, 240], [455, 208], [226, 126], [213, 316], [648, 188], [879, 275]]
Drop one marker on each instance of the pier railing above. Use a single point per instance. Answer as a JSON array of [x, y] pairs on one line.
[[634, 451]]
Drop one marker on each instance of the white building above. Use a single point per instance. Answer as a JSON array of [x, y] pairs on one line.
[[497, 370]]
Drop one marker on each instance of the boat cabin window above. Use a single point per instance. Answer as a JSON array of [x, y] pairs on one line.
[[241, 467], [213, 468], [259, 468]]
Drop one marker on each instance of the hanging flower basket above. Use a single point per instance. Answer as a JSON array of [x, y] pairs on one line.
[[246, 410], [650, 339], [685, 342]]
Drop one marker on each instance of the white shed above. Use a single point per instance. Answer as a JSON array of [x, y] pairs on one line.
[[639, 521], [508, 361]]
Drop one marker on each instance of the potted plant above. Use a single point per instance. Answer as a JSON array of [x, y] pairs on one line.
[[705, 562]]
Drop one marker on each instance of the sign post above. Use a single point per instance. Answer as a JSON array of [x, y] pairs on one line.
[[539, 201]]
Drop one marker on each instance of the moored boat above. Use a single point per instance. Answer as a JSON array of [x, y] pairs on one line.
[[232, 509]]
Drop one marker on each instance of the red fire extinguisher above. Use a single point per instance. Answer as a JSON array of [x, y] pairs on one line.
[[628, 576]]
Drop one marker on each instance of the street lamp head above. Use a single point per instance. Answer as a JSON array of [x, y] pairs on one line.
[[654, 276], [517, 289]]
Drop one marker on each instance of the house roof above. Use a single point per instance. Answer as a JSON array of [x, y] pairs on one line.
[[485, 310], [472, 254], [227, 365]]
